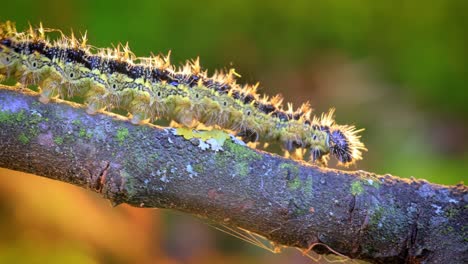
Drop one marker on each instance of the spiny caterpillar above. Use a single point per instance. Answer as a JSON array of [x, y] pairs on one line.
[[150, 88]]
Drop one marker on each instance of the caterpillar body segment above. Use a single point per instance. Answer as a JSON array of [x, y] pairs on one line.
[[151, 88], [10, 62]]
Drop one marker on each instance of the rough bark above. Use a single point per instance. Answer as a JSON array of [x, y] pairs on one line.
[[381, 219]]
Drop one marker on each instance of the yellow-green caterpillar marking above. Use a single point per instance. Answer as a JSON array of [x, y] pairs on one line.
[[151, 89]]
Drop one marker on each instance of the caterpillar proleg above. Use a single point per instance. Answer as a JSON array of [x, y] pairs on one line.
[[150, 88]]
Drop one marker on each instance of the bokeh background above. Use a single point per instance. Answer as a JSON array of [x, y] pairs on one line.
[[396, 68]]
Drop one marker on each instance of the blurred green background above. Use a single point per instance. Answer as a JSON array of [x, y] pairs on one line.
[[397, 68]]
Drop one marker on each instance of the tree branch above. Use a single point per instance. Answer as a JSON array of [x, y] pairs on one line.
[[381, 219]]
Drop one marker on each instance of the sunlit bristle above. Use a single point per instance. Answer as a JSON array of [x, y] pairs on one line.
[[195, 66], [219, 77], [185, 69], [290, 110], [254, 88], [305, 110], [327, 118], [345, 144], [84, 40], [277, 100], [41, 31], [163, 62], [232, 75], [264, 99], [226, 78], [248, 90], [9, 29], [355, 145], [32, 33], [73, 43]]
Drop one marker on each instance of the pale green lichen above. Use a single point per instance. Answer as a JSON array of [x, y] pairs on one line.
[[243, 152], [198, 168], [217, 140], [30, 123], [242, 169], [23, 138], [376, 216], [9, 117], [58, 140], [291, 168], [308, 185], [5, 117], [356, 188], [292, 173], [20, 116], [209, 139], [243, 156], [76, 122], [374, 182], [82, 132], [294, 184], [122, 134]]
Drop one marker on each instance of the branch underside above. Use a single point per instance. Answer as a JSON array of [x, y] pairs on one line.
[[382, 219]]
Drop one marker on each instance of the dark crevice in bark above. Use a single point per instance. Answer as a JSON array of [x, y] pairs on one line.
[[101, 180], [352, 204]]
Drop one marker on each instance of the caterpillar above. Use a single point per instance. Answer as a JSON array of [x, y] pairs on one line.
[[151, 88]]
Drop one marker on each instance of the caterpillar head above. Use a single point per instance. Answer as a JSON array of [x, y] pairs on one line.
[[74, 74], [221, 111], [34, 65], [344, 144], [117, 85], [74, 77], [197, 96], [159, 96], [34, 62], [115, 82], [249, 120]]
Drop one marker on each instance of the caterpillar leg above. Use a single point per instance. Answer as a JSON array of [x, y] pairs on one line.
[[96, 99], [139, 119], [139, 109], [49, 90], [140, 114], [94, 105], [186, 118], [183, 113], [298, 154], [322, 162], [318, 158], [248, 136]]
